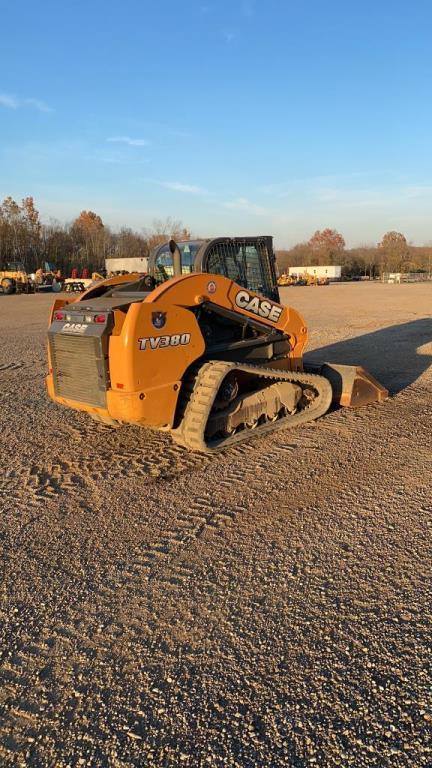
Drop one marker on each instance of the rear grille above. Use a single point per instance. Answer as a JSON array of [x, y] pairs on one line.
[[79, 368]]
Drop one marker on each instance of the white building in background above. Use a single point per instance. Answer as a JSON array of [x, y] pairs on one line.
[[333, 272], [127, 263]]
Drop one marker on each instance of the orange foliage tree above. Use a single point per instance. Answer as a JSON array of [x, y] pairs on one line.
[[91, 238], [327, 246], [394, 252]]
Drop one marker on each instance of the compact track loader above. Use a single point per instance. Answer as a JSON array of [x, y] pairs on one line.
[[200, 347]]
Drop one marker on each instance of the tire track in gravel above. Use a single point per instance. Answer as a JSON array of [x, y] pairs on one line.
[[20, 365], [27, 495], [160, 560], [78, 468], [32, 485], [14, 366], [116, 453], [129, 452]]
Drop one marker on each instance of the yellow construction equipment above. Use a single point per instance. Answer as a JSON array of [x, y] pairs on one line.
[[15, 279], [285, 280], [209, 354]]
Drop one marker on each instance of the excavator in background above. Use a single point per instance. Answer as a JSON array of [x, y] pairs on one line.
[[199, 346]]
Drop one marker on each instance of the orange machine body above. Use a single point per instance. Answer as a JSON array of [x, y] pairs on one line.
[[153, 341]]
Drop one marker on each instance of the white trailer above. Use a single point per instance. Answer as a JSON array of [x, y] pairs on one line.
[[127, 264], [332, 271]]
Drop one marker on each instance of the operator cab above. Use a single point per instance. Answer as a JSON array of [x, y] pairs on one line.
[[13, 266], [249, 261]]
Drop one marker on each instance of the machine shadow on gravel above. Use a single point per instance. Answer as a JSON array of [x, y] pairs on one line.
[[390, 354]]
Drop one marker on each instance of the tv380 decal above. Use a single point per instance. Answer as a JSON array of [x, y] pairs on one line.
[[163, 342]]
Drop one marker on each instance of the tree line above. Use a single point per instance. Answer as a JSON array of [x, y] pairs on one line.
[[84, 243], [87, 242], [327, 247]]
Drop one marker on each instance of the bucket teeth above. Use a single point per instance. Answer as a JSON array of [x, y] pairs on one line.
[[352, 385]]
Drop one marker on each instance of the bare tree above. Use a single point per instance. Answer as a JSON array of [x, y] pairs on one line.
[[163, 229]]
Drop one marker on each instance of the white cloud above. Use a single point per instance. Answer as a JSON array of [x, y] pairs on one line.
[[229, 36], [379, 196], [8, 101], [178, 186], [327, 195], [38, 104], [130, 142], [242, 204], [181, 134], [418, 191], [323, 182], [12, 102]]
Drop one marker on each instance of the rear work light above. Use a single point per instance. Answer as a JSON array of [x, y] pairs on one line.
[[100, 318], [59, 316]]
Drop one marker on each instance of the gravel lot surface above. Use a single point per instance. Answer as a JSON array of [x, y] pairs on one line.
[[270, 606]]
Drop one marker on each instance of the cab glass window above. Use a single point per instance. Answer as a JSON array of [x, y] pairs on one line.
[[164, 266], [245, 262]]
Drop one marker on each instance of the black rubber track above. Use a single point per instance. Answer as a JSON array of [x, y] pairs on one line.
[[203, 391]]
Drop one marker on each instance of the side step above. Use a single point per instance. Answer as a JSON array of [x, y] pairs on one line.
[[352, 385]]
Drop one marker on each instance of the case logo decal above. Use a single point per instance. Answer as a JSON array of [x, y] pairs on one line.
[[74, 328], [158, 319], [162, 342], [260, 307]]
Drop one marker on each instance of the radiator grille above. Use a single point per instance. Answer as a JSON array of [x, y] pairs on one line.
[[79, 368]]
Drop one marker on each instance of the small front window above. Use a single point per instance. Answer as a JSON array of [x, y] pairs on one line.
[[14, 266], [164, 265]]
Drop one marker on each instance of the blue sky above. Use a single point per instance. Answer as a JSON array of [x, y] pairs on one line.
[[240, 117]]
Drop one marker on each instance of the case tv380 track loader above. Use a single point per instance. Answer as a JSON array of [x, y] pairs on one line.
[[200, 346]]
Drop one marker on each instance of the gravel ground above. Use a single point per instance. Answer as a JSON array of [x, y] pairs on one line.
[[270, 606]]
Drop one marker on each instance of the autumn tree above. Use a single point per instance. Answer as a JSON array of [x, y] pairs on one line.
[[327, 246], [19, 231], [32, 229], [394, 252], [421, 256], [91, 239]]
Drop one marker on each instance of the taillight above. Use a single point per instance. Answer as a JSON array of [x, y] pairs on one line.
[[59, 316], [100, 318]]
